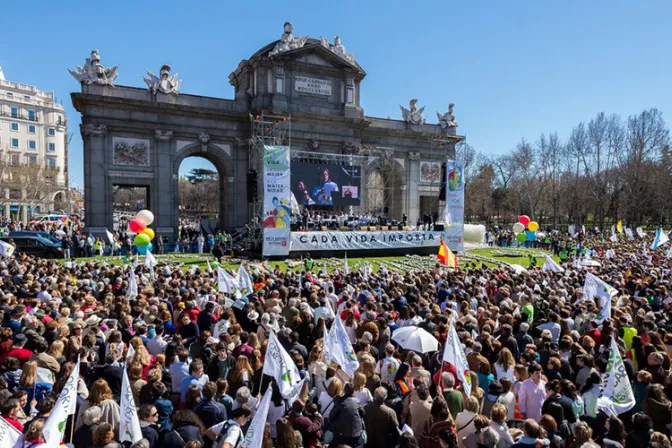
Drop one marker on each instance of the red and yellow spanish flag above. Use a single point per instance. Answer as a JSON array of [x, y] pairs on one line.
[[446, 256]]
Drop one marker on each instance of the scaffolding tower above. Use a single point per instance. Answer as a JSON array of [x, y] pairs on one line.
[[267, 130]]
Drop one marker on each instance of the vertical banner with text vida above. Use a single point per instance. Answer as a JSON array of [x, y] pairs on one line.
[[277, 193], [453, 214]]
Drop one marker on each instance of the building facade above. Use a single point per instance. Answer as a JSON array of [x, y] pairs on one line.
[[139, 136], [33, 151]]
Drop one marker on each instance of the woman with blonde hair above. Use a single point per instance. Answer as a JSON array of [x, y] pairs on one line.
[[56, 351], [476, 391], [464, 422], [504, 365], [241, 375], [101, 396], [362, 394], [33, 436], [372, 379], [28, 382], [142, 357], [326, 400], [135, 378]]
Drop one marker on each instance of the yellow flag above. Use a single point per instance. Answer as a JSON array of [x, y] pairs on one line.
[[619, 227]]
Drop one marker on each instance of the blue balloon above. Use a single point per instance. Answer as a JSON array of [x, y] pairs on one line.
[[142, 250], [531, 236]]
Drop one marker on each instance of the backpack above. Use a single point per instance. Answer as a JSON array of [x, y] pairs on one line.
[[225, 429]]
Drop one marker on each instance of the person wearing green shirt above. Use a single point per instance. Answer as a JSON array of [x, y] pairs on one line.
[[308, 263], [528, 308], [563, 255], [454, 399], [533, 261]]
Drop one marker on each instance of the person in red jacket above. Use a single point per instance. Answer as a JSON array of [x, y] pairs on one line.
[[9, 409], [17, 350]]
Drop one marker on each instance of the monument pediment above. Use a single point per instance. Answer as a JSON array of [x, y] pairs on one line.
[[314, 52]]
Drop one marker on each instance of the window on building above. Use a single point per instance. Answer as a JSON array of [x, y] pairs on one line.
[[14, 193], [15, 126], [32, 144], [52, 131], [51, 163], [52, 147], [15, 112], [15, 159], [32, 159], [32, 116], [15, 143], [31, 128]]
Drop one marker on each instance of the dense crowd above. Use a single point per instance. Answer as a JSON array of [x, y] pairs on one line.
[[537, 354]]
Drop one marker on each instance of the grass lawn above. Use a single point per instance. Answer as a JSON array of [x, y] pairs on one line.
[[515, 256]]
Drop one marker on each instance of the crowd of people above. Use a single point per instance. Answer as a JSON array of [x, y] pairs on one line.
[[537, 354]]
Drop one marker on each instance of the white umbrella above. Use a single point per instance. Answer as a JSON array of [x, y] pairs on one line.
[[518, 269], [416, 339]]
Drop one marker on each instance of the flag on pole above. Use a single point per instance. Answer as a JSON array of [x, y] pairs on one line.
[[629, 234], [594, 287], [617, 396], [129, 425], [209, 267], [224, 281], [454, 354], [340, 349], [640, 232], [244, 282], [132, 284], [346, 268], [619, 226], [551, 265], [6, 249], [255, 433], [135, 263], [280, 365], [65, 406], [295, 392], [10, 437], [446, 256], [150, 261], [660, 239]]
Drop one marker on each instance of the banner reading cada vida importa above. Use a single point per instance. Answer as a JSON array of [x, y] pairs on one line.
[[361, 240]]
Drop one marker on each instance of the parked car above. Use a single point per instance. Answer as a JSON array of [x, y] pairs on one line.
[[35, 246], [45, 235]]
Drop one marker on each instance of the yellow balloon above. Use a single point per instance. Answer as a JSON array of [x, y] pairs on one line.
[[533, 226], [149, 232]]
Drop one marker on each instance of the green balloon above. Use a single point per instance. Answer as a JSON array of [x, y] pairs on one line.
[[141, 240], [520, 237]]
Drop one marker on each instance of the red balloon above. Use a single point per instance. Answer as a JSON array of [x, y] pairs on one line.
[[524, 219], [136, 226]]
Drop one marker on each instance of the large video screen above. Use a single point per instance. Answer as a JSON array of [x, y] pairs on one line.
[[326, 184]]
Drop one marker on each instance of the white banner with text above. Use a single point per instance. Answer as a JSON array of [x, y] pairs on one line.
[[453, 214], [277, 208], [361, 240]]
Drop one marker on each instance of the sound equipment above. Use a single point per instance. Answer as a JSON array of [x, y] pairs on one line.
[[252, 186], [442, 190], [438, 227]]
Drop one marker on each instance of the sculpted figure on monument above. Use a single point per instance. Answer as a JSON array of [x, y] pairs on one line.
[[413, 116], [338, 49], [164, 83], [93, 72], [447, 120], [288, 41]]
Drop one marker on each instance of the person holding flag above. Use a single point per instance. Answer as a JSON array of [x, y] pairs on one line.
[[446, 256]]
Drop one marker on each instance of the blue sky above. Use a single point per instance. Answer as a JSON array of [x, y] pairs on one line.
[[514, 69]]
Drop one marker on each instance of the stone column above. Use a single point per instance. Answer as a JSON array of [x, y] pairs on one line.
[[98, 207], [412, 189], [163, 203]]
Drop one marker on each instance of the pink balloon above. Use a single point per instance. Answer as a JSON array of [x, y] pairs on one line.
[[136, 226], [524, 219]]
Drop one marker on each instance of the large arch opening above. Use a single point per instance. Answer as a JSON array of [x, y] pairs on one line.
[[384, 189], [201, 191]]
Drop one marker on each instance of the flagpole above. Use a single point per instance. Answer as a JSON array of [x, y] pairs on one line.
[[72, 426]]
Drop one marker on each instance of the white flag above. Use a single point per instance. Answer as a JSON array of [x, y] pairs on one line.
[[454, 354], [65, 406], [280, 365], [6, 249], [551, 265], [150, 261], [129, 425], [613, 238], [135, 263], [223, 284], [346, 268], [594, 287], [209, 267], [629, 234], [295, 392], [660, 239], [244, 282], [340, 349], [132, 284], [640, 232], [10, 437], [617, 396], [255, 433], [130, 353]]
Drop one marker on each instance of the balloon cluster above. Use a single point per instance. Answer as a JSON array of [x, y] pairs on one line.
[[144, 235], [524, 223]]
